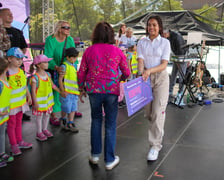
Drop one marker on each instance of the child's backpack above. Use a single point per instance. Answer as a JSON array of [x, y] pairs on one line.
[[29, 81]]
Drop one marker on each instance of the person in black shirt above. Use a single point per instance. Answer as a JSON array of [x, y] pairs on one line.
[[16, 36], [176, 42]]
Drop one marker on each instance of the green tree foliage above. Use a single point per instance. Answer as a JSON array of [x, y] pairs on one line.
[[106, 9], [84, 14], [209, 14], [166, 5]]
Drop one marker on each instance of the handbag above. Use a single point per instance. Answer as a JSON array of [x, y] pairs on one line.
[[54, 73]]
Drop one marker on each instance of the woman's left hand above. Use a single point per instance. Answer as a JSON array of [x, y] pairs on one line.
[[82, 93], [146, 74]]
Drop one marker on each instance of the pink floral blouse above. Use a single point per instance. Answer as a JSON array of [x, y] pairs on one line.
[[99, 69]]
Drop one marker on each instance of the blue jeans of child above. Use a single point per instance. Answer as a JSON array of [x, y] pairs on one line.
[[110, 104]]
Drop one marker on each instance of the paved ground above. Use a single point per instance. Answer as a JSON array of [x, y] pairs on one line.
[[193, 149]]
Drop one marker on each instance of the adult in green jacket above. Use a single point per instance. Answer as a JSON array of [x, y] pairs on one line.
[[54, 45]]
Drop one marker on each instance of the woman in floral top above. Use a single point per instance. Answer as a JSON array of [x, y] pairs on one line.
[[99, 76]]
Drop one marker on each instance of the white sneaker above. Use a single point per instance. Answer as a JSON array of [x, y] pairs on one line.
[[94, 159], [153, 154], [111, 165]]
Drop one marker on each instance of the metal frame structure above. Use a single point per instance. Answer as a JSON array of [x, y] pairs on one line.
[[48, 18]]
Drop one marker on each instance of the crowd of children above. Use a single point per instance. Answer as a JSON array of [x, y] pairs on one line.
[[17, 94]]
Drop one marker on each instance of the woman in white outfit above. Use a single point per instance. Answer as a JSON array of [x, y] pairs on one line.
[[153, 53]]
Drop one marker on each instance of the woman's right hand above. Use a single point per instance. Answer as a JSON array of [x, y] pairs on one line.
[[59, 69], [146, 74]]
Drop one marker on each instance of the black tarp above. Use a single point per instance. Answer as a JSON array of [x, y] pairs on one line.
[[181, 21]]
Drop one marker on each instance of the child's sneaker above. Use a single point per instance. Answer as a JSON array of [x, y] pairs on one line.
[[123, 104], [78, 114], [15, 150], [71, 127], [63, 122], [6, 158], [24, 145], [54, 121], [2, 163], [47, 133], [41, 137], [120, 105]]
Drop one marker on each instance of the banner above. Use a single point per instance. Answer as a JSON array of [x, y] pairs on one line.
[[137, 94], [21, 11]]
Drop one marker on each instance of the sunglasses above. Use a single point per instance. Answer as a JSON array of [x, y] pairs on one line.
[[65, 27]]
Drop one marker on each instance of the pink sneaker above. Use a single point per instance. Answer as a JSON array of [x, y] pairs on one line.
[[54, 121], [15, 150], [78, 114], [47, 133], [41, 137], [24, 145]]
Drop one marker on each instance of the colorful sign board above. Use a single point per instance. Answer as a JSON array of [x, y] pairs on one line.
[[137, 94]]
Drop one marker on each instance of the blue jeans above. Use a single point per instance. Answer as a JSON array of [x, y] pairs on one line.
[[110, 104]]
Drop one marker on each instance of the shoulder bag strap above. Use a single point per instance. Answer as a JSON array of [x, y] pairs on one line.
[[63, 53]]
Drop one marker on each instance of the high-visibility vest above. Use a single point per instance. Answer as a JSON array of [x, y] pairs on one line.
[[5, 101], [18, 95], [134, 63], [44, 93], [71, 80]]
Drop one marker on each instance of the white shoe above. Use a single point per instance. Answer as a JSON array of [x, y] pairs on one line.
[[111, 165], [94, 159], [153, 155]]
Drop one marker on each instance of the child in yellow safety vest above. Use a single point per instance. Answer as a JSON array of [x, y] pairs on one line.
[[5, 91], [132, 58], [20, 96], [68, 83], [42, 95]]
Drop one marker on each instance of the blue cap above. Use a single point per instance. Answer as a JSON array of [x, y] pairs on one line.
[[131, 43], [16, 52]]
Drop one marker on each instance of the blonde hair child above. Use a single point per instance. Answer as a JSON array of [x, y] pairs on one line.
[[20, 96]]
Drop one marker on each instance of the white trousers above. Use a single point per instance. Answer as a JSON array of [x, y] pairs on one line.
[[155, 111]]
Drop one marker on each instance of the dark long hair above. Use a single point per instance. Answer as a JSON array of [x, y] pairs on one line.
[[120, 31], [160, 23], [103, 33]]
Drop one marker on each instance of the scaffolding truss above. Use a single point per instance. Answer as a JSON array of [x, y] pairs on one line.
[[48, 18]]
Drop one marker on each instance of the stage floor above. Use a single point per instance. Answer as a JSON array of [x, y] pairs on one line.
[[193, 149]]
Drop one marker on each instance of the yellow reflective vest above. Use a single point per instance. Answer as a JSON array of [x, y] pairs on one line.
[[18, 95], [134, 63], [5, 101], [71, 80], [44, 93]]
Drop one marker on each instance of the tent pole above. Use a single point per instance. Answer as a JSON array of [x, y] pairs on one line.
[[219, 65]]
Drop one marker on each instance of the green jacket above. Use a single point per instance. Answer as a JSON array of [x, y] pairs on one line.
[[54, 49]]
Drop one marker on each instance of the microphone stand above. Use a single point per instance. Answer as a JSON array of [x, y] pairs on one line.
[[26, 22]]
